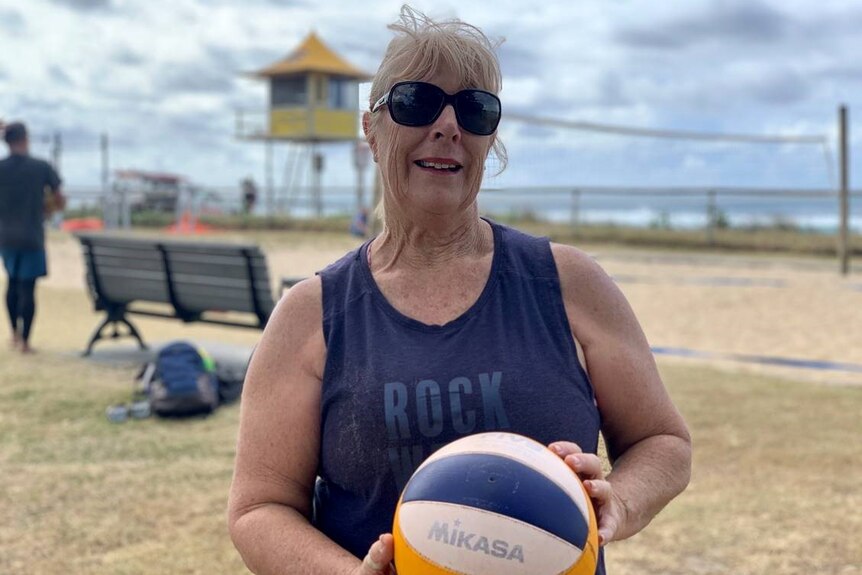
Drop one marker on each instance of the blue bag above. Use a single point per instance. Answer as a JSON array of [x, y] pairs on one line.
[[184, 382]]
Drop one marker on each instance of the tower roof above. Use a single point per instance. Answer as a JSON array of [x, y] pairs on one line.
[[312, 56]]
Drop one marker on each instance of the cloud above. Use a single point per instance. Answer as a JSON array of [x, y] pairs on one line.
[[125, 56], [516, 60], [533, 132], [85, 5], [38, 105], [239, 60], [666, 39], [274, 3], [164, 78], [351, 40], [59, 76], [825, 24], [11, 22], [727, 90], [842, 72], [751, 22], [780, 87], [192, 77], [612, 91]]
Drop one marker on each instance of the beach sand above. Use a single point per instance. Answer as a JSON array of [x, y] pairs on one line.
[[776, 306]]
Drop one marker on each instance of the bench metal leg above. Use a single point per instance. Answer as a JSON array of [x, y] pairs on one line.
[[113, 320], [134, 333]]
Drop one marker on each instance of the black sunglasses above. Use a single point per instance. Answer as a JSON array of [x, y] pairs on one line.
[[420, 104]]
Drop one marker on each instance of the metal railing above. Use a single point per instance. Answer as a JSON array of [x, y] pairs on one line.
[[675, 207]]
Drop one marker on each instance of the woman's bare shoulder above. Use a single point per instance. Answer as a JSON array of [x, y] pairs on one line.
[[294, 332], [301, 302], [593, 300], [575, 266]]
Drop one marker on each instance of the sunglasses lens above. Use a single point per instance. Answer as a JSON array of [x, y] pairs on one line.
[[419, 104], [478, 112], [415, 103]]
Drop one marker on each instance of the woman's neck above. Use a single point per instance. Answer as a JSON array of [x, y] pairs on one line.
[[431, 244]]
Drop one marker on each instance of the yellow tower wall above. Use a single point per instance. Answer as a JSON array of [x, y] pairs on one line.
[[319, 123]]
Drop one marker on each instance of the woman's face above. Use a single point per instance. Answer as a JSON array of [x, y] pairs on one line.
[[408, 155]]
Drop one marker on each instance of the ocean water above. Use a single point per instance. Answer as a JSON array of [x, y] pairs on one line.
[[816, 212], [689, 211]]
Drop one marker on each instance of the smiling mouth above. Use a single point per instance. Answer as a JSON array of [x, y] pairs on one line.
[[439, 167]]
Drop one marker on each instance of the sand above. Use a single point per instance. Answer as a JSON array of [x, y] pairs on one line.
[[798, 308]]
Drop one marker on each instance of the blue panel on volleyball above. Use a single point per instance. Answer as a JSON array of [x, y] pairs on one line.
[[500, 485]]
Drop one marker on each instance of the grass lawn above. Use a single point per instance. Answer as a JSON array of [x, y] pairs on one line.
[[776, 489]]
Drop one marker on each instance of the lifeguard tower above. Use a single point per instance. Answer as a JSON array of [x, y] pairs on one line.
[[313, 100]]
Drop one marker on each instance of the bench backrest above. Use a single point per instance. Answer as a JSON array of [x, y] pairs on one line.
[[194, 277]]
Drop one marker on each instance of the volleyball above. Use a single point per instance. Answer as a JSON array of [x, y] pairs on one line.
[[495, 503]]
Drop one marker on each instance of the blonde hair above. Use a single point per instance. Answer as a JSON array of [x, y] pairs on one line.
[[420, 49], [422, 45]]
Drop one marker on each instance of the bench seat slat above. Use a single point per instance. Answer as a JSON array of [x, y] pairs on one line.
[[104, 262], [217, 281], [198, 299], [236, 272], [129, 290], [204, 276]]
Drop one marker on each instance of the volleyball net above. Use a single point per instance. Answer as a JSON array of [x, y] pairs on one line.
[[587, 172]]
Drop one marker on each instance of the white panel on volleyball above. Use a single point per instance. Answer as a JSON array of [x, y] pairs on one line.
[[524, 450], [475, 542]]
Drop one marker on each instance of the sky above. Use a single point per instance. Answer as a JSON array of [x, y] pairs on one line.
[[164, 78]]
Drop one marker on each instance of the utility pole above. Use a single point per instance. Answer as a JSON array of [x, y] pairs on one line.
[[316, 173], [270, 183], [57, 151], [105, 165]]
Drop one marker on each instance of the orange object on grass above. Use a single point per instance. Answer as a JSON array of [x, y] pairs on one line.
[[79, 224], [187, 226]]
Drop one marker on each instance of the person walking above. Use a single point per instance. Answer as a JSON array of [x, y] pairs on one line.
[[249, 195], [29, 193]]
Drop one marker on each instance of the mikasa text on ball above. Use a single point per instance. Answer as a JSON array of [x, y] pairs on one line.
[[495, 504]]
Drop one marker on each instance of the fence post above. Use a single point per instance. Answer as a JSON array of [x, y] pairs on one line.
[[575, 216], [711, 217]]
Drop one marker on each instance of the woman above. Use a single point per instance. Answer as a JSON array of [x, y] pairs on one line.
[[445, 324]]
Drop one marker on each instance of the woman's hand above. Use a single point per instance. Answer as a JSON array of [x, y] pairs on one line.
[[379, 558], [610, 510]]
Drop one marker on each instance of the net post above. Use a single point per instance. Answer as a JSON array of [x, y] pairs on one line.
[[844, 193]]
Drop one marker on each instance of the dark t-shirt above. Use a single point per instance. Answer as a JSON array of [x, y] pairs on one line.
[[22, 194]]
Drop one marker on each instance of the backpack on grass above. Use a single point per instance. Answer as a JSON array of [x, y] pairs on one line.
[[184, 382]]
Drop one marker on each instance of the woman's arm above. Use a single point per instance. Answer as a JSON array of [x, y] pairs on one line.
[[277, 451], [648, 442]]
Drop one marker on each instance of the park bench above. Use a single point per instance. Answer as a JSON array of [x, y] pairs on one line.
[[191, 281]]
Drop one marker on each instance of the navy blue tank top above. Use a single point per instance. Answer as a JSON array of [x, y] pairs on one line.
[[396, 389]]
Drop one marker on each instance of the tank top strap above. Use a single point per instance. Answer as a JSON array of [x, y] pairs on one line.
[[529, 257], [342, 284]]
